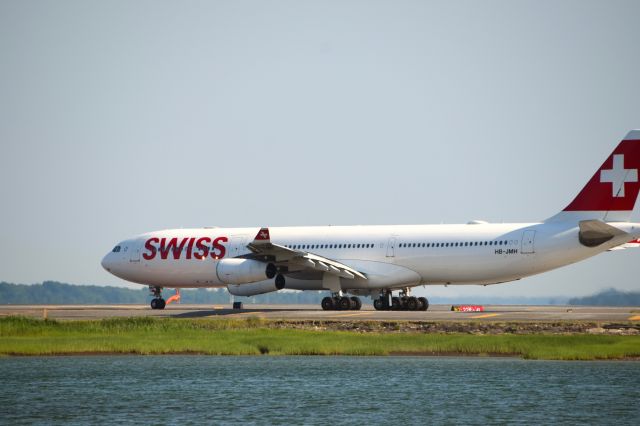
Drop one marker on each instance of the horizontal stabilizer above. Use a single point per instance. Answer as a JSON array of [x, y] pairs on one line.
[[630, 244]]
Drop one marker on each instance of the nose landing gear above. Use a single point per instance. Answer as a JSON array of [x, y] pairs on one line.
[[157, 302]]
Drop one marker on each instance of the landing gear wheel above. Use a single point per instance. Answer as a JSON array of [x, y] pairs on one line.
[[403, 303], [395, 304], [424, 303], [158, 303], [377, 304], [327, 304], [356, 303], [344, 304], [412, 303], [336, 302]]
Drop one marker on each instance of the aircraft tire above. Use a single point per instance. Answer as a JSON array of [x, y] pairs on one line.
[[158, 303], [412, 304], [327, 304], [424, 303], [403, 303], [336, 303], [356, 303], [395, 304], [377, 304], [344, 303]]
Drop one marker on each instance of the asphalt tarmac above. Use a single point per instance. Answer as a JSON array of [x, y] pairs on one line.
[[499, 313]]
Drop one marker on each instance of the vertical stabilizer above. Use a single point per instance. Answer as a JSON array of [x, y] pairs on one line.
[[611, 193]]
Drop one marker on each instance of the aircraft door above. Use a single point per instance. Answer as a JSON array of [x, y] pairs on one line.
[[528, 242], [134, 251], [391, 247]]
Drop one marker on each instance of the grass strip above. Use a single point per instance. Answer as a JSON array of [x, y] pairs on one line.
[[253, 336]]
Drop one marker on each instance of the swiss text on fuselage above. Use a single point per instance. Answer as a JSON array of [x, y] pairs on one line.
[[193, 248]]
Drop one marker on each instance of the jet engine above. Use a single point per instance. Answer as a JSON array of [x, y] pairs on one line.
[[255, 288], [244, 271]]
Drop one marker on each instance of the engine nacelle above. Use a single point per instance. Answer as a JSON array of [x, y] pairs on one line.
[[243, 271], [255, 288]]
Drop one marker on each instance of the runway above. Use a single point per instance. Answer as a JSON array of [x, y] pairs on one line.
[[495, 313]]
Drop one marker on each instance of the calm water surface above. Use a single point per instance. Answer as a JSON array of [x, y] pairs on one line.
[[315, 390]]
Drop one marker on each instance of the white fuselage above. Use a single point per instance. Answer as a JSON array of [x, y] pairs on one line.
[[391, 257]]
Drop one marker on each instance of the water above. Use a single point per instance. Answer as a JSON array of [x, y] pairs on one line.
[[315, 390]]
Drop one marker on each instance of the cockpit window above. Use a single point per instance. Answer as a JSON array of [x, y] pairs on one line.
[[116, 249]]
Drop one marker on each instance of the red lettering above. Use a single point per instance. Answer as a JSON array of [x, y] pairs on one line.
[[171, 246], [195, 248], [151, 249], [201, 248], [190, 247], [221, 250]]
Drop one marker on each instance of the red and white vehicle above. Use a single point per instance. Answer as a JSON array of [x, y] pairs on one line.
[[376, 260]]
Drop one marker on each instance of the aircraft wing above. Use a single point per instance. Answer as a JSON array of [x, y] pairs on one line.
[[262, 247]]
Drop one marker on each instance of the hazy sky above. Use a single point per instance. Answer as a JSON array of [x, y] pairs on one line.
[[123, 117]]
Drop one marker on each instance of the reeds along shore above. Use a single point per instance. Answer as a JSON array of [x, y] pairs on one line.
[[253, 336]]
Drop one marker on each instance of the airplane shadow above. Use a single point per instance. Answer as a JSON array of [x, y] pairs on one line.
[[224, 312]]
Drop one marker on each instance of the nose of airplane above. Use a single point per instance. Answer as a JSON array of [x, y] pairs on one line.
[[107, 262]]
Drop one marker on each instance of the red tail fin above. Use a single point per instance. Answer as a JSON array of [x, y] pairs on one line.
[[611, 193]]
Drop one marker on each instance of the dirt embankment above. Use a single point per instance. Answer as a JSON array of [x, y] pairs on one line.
[[491, 328]]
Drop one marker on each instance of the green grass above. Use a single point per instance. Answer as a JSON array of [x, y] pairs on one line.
[[253, 336]]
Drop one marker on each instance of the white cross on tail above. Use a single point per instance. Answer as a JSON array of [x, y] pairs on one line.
[[618, 176]]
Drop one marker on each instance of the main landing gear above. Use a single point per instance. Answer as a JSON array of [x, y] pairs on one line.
[[337, 302], [402, 303], [157, 302]]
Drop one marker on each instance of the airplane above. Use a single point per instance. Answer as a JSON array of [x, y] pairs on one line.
[[376, 261]]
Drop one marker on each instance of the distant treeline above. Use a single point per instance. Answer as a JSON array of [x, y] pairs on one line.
[[610, 297], [52, 292]]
